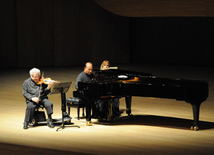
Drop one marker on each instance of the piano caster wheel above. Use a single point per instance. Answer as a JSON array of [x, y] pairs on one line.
[[195, 128], [88, 123]]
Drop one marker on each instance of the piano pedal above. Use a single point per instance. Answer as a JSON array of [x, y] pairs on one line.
[[195, 128]]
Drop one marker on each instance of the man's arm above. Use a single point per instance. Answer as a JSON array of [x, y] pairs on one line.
[[25, 93], [78, 79]]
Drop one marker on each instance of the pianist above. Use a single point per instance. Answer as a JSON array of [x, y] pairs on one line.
[[86, 75]]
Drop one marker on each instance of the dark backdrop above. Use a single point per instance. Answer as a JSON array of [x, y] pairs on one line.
[[71, 32], [60, 33], [172, 40]]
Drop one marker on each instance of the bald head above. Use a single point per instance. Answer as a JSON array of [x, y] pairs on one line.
[[88, 68]]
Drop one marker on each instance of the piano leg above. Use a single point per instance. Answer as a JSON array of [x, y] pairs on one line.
[[128, 104], [196, 109]]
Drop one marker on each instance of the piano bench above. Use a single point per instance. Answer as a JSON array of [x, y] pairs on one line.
[[75, 102]]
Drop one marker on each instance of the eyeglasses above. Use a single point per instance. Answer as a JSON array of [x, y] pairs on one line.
[[35, 76]]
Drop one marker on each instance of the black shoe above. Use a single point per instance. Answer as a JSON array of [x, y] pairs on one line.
[[117, 115], [50, 123], [101, 119], [94, 116], [25, 125], [65, 114]]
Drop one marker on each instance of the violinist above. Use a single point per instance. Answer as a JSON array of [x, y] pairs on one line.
[[35, 92]]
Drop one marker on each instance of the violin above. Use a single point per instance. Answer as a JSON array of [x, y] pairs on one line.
[[45, 81]]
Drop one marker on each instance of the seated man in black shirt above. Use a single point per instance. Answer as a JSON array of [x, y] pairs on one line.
[[34, 94], [86, 75]]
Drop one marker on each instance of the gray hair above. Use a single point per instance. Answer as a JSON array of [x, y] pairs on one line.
[[34, 70]]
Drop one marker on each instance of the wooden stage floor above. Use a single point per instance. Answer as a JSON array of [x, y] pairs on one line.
[[159, 126]]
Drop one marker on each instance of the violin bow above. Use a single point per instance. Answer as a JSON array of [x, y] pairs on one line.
[[40, 87]]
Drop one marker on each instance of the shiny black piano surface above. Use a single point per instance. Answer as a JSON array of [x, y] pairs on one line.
[[111, 83]]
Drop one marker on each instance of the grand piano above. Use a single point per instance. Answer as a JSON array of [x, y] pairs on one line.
[[120, 83]]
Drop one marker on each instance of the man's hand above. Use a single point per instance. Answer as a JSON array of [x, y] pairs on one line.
[[35, 99], [50, 84]]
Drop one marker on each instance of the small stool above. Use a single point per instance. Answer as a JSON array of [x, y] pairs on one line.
[[38, 116], [39, 106], [75, 102]]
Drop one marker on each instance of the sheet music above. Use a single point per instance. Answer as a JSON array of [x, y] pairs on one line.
[[60, 87], [110, 68]]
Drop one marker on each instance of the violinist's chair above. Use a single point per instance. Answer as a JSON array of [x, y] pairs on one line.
[[75, 102], [38, 116]]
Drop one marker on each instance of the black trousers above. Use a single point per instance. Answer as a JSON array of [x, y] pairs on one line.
[[32, 105], [102, 107]]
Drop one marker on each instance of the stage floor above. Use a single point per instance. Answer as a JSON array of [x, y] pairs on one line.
[[158, 126]]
